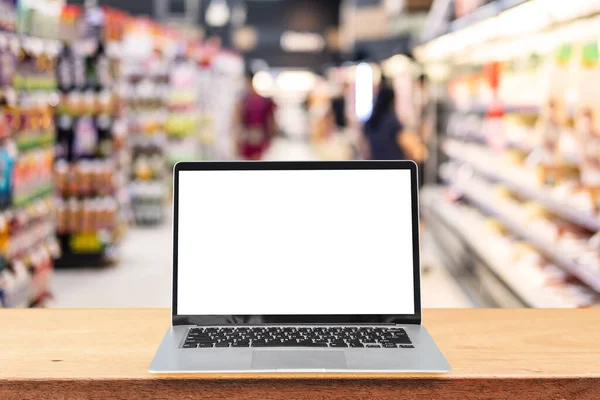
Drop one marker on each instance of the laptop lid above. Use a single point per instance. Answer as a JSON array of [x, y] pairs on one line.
[[296, 243]]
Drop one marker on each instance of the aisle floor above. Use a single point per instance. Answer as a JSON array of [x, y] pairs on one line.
[[143, 277]]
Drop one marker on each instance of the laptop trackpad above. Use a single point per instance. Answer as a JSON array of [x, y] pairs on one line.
[[298, 359]]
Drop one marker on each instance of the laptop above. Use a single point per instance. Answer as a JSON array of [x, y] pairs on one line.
[[296, 267]]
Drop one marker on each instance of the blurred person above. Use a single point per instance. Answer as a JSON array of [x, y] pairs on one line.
[[256, 121], [391, 139], [338, 108], [387, 136], [335, 143]]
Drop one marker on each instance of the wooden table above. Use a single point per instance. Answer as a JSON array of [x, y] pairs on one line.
[[495, 354]]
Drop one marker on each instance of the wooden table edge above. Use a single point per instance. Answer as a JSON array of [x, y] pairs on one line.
[[302, 376]]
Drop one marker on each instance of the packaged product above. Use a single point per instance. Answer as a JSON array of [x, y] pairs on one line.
[[552, 123], [587, 120]]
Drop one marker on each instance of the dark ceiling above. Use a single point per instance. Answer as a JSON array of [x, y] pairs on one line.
[[270, 18]]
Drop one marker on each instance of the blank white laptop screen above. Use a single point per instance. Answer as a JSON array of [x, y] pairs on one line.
[[295, 242]]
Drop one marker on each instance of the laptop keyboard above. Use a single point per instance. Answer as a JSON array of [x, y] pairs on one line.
[[339, 337]]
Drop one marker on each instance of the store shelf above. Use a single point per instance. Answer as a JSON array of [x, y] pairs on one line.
[[539, 195], [522, 109], [452, 216], [482, 140], [497, 259], [547, 249]]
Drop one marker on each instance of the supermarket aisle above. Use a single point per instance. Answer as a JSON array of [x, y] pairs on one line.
[[143, 277]]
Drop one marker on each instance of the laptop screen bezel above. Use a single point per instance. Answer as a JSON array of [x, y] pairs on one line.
[[414, 318]]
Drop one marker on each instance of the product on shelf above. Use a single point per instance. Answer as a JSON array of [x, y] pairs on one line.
[[223, 80], [8, 16], [565, 199], [148, 200], [588, 121], [86, 178], [89, 216], [182, 125]]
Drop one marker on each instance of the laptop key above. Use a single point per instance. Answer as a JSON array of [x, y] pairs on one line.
[[396, 341], [356, 344], [222, 344], [373, 345], [389, 346], [286, 343], [189, 345], [338, 344]]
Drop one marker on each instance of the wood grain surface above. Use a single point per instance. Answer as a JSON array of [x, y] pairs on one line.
[[92, 353]]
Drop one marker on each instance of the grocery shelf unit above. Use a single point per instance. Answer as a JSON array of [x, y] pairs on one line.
[[91, 156], [182, 126], [145, 90], [513, 161], [220, 81], [28, 243]]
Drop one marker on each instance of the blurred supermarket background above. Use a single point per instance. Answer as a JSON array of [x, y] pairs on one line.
[[496, 100]]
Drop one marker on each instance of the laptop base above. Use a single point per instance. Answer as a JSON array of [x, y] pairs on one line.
[[424, 357]]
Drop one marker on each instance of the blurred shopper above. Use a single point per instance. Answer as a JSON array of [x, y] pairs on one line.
[[256, 119], [386, 135], [338, 108]]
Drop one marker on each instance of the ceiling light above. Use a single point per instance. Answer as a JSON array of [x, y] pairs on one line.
[[263, 83], [218, 13], [296, 81], [302, 42]]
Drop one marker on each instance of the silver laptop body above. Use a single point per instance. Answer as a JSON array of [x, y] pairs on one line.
[[258, 246]]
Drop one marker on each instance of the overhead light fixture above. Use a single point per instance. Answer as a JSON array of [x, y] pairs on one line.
[[296, 81], [245, 38], [263, 83], [218, 13], [302, 42]]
